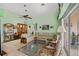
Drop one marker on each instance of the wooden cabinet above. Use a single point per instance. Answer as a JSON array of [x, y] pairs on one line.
[[21, 28], [8, 32], [24, 40]]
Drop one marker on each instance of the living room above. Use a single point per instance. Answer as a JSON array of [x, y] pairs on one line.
[[32, 29]]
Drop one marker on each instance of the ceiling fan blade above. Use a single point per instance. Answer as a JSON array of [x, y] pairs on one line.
[[26, 16], [29, 17]]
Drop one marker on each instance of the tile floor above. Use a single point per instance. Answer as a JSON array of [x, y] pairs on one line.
[[12, 48]]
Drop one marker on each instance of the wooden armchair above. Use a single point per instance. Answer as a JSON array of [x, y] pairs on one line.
[[50, 48], [47, 51]]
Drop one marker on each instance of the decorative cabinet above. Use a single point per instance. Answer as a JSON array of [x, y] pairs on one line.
[[21, 28], [8, 32]]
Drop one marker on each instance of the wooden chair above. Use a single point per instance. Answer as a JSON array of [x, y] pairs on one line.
[[3, 53], [23, 40], [50, 48], [47, 51]]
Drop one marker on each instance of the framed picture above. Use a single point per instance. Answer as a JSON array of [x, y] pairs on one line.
[[45, 27]]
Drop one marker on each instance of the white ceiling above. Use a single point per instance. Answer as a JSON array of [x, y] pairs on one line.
[[33, 9]]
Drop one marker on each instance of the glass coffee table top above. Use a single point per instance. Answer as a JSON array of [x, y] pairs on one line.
[[33, 48]]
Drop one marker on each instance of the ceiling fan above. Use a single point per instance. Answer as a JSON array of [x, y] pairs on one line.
[[26, 17]]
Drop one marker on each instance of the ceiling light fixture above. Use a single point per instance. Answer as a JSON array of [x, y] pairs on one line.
[[24, 5], [42, 4], [25, 10]]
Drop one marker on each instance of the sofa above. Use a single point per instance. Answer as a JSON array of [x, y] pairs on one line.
[[44, 36]]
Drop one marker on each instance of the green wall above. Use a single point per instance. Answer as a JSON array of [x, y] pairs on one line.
[[50, 20], [1, 12]]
